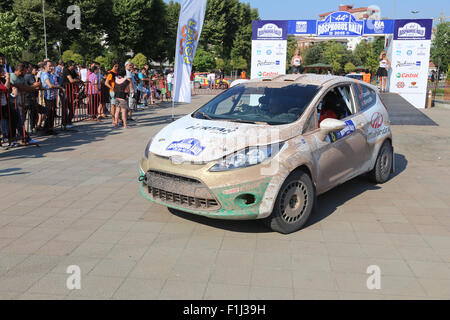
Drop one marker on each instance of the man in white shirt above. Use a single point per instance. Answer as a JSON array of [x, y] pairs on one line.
[[83, 73], [170, 79], [211, 80]]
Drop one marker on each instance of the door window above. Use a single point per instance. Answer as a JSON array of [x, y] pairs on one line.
[[337, 104], [365, 96]]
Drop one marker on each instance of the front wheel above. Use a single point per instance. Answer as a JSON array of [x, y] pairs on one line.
[[294, 204], [383, 166]]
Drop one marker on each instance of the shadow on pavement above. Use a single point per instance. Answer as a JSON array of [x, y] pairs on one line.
[[11, 172], [327, 204], [83, 133]]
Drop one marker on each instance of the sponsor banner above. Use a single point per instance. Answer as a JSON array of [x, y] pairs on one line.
[[296, 27], [413, 29], [340, 24], [268, 58], [190, 25], [269, 29], [409, 67], [378, 26]]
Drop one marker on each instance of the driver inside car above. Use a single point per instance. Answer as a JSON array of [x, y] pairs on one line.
[[328, 103]]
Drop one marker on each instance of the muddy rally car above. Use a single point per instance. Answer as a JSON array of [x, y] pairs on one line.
[[266, 148]]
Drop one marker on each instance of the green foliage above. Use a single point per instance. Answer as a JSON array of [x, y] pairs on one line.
[[172, 15], [204, 60], [101, 61], [368, 53], [139, 60], [78, 58], [291, 48], [118, 27], [75, 57], [67, 55], [12, 41], [314, 54], [333, 54], [109, 58], [440, 48], [239, 63], [349, 67], [220, 63]]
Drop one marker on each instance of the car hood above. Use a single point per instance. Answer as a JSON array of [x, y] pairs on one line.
[[197, 140]]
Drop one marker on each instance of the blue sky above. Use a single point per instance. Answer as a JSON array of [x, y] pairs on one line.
[[307, 9]]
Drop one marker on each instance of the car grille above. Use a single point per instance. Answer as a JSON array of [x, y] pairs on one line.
[[179, 190]]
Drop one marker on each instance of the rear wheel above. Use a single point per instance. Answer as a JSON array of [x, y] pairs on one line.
[[383, 166], [294, 204]]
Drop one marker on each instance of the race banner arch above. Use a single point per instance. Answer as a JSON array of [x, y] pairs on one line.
[[408, 47]]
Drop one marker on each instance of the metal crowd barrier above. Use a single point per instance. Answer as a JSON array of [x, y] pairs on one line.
[[57, 108]]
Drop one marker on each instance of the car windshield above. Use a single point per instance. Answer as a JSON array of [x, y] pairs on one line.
[[274, 104]]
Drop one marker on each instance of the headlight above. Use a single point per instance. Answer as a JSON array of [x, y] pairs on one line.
[[147, 148], [247, 157]]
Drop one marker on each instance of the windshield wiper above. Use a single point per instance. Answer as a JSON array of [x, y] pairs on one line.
[[204, 115], [244, 121]]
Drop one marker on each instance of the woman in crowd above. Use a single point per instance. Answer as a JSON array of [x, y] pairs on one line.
[[122, 89], [382, 72]]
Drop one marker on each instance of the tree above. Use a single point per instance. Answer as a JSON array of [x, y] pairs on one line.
[[368, 54], [333, 54], [220, 63], [239, 64], [349, 67], [292, 46], [67, 55], [242, 43], [78, 58], [378, 45], [29, 15], [204, 60], [101, 61], [440, 48], [170, 39], [139, 60], [314, 54], [12, 41]]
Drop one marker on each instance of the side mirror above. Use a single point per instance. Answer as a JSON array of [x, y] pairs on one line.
[[330, 125]]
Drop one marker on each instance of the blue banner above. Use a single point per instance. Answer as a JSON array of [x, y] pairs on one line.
[[269, 29], [340, 24], [302, 27], [413, 29], [378, 26]]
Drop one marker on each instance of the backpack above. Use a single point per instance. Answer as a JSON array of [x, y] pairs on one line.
[[121, 90]]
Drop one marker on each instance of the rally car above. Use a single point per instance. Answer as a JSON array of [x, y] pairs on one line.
[[265, 149], [201, 81]]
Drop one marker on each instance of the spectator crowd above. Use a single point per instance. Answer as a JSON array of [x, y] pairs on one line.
[[37, 99]]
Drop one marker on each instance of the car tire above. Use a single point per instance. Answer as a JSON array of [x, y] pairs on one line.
[[383, 166], [294, 204]]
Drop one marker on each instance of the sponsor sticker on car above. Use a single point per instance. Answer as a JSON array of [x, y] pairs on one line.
[[190, 146]]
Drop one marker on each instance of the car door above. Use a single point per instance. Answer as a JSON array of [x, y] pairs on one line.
[[341, 155]]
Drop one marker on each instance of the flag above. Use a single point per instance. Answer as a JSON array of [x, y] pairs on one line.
[[190, 24]]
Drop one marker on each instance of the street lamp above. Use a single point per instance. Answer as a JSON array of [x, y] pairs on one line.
[[45, 30], [58, 43]]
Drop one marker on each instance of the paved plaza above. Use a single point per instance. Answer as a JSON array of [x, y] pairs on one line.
[[75, 201]]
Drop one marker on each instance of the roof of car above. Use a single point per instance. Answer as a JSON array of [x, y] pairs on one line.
[[304, 79]]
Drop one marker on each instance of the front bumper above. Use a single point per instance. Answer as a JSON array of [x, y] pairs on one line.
[[223, 195]]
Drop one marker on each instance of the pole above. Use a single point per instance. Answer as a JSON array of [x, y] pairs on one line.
[[45, 30], [173, 100]]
